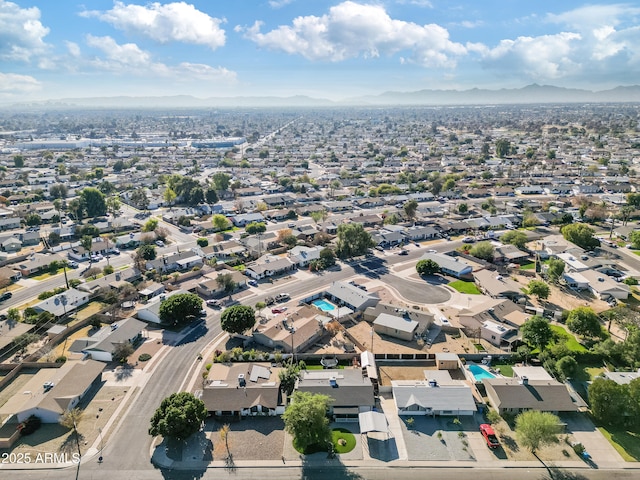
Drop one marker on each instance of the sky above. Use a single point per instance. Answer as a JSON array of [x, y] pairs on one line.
[[53, 49]]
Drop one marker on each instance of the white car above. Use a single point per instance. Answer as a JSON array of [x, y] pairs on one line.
[[160, 243]]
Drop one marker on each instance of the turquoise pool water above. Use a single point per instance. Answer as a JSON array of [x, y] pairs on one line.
[[479, 373], [323, 305]]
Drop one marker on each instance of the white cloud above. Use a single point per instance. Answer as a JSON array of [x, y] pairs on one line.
[[540, 58], [129, 59], [279, 3], [21, 32], [419, 3], [592, 16], [352, 30], [73, 48], [178, 21], [12, 83]]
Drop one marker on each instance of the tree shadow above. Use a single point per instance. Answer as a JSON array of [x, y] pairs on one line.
[[70, 444], [319, 467], [555, 473], [509, 442]]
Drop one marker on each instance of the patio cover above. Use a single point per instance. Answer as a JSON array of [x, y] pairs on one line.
[[373, 422]]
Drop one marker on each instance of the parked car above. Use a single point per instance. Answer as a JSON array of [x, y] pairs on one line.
[[253, 283], [202, 313], [279, 310], [431, 250], [73, 265], [5, 296], [269, 301], [282, 297], [159, 243], [97, 257], [489, 435], [468, 240], [403, 252], [214, 303], [115, 251]]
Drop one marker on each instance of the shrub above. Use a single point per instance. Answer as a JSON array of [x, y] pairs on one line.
[[144, 357], [202, 242], [61, 359], [631, 281], [30, 425]]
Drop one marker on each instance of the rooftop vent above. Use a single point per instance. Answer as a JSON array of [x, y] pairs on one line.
[[333, 381], [525, 380], [241, 380]]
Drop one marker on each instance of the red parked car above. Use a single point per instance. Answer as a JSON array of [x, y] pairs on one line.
[[489, 435], [279, 310]]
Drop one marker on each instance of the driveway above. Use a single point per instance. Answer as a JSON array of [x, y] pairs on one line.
[[419, 292], [585, 432]]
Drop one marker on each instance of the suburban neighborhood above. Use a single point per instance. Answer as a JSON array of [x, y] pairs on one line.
[[381, 287]]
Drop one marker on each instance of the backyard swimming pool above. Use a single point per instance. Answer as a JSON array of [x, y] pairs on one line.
[[479, 373], [324, 305]]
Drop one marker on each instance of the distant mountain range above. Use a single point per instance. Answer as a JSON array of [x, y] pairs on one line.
[[525, 95]]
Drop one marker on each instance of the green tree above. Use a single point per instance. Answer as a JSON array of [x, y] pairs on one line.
[[580, 234], [503, 146], [21, 342], [122, 351], [18, 161], [305, 419], [180, 308], [255, 227], [238, 319], [221, 181], [70, 419], [609, 401], [32, 219], [179, 416], [327, 258], [634, 238], [515, 237], [539, 289], [114, 206], [169, 196], [202, 242], [584, 321], [147, 252], [77, 208], [139, 198], [353, 240], [463, 208], [86, 242], [58, 190], [427, 267], [483, 250], [555, 269], [219, 222], [150, 225], [535, 429], [94, 202], [537, 332], [567, 366], [211, 196], [288, 377], [226, 282], [410, 208], [317, 216], [633, 199]]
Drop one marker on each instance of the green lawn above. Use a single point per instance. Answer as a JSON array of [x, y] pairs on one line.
[[572, 343], [506, 369], [337, 434], [528, 266], [465, 287], [626, 443]]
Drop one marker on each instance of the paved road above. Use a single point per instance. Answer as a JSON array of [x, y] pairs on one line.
[[316, 472]]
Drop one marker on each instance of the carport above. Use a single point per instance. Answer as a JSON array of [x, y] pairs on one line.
[[373, 422]]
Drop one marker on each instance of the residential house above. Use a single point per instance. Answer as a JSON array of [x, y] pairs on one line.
[[438, 395], [178, 261], [53, 391], [497, 319], [11, 244], [450, 265], [222, 251], [396, 326], [247, 218], [513, 396], [510, 254], [349, 390], [604, 287], [292, 333], [496, 285], [151, 311], [243, 389], [134, 240], [350, 296], [418, 232], [269, 266], [302, 255], [115, 280], [210, 287], [63, 303], [101, 345]]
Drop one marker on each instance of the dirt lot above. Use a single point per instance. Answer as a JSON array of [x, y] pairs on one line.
[[411, 373], [150, 346]]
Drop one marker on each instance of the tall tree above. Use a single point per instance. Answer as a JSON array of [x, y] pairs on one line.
[[581, 234], [226, 282], [539, 289], [410, 209], [537, 331], [94, 201], [584, 321], [427, 267], [179, 416], [238, 319], [180, 308], [221, 181], [515, 237], [483, 250], [353, 240], [555, 269], [535, 429], [305, 419]]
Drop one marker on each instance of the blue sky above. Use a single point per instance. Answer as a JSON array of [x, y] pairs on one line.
[[53, 49]]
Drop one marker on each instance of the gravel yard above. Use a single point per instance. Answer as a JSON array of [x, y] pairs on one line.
[[423, 442], [256, 438]]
